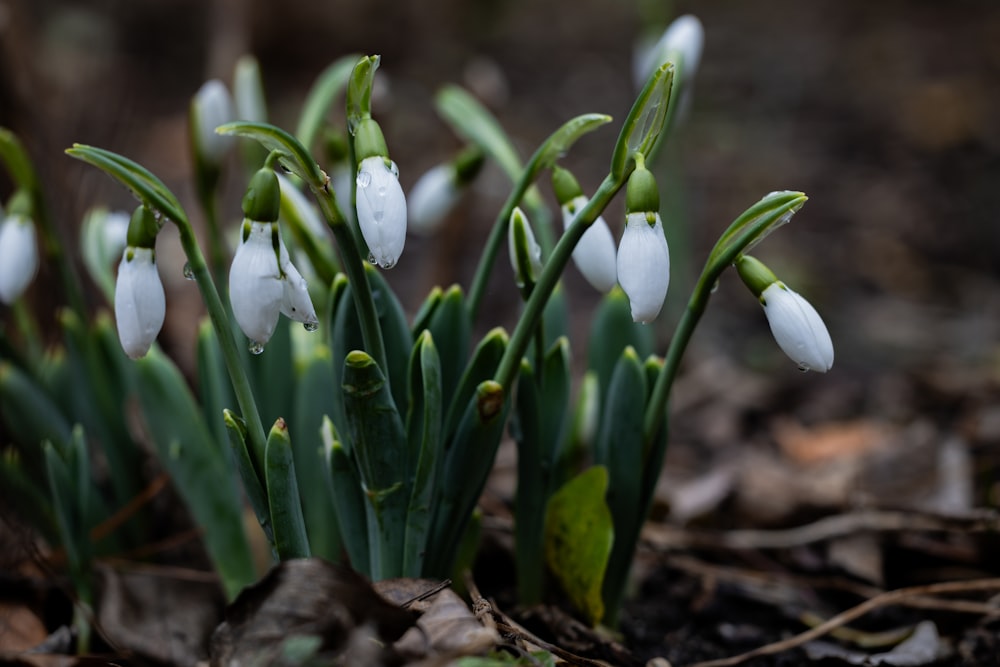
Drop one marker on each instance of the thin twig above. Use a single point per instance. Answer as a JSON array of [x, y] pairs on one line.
[[885, 599]]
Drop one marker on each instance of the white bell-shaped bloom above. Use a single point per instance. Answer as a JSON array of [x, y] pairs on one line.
[[263, 284], [140, 304], [594, 254], [797, 328], [18, 256], [684, 37], [212, 106], [255, 287], [381, 210], [644, 265], [433, 196]]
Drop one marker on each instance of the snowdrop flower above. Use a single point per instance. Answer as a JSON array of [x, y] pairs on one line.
[[248, 91], [140, 304], [643, 256], [381, 204], [594, 254], [437, 191], [682, 40], [211, 107], [263, 282], [18, 255], [525, 253], [795, 324]]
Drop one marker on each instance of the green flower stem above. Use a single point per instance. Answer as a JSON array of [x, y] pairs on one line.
[[220, 320], [216, 245], [521, 338], [354, 266]]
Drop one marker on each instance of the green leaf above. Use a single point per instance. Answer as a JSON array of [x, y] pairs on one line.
[[17, 161], [251, 471], [30, 417], [27, 498], [321, 97], [753, 225], [67, 489], [532, 494], [423, 426], [283, 499], [619, 449], [483, 364], [559, 142], [314, 390], [449, 325], [578, 539], [611, 331], [467, 463], [359, 90], [292, 155], [349, 499], [645, 120], [214, 388], [148, 188], [200, 472], [474, 123], [379, 445]]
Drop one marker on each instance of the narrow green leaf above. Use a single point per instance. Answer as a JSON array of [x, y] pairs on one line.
[[31, 417], [283, 500], [450, 327], [147, 187], [619, 449], [200, 472], [471, 121], [555, 317], [532, 495], [611, 331], [427, 309], [251, 472], [17, 161], [359, 90], [645, 120], [466, 466], [328, 85], [423, 427], [214, 389], [25, 497], [292, 155], [379, 445], [554, 400], [482, 365], [578, 539], [63, 476], [314, 390], [349, 498]]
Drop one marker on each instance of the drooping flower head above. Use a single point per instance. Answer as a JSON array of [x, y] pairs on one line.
[[438, 190], [211, 107], [795, 324], [381, 204], [594, 254], [140, 304], [18, 248], [643, 256], [263, 282]]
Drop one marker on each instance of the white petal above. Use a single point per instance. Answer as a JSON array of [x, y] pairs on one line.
[[432, 198], [18, 257], [213, 107], [381, 211], [797, 328], [295, 302], [684, 37], [140, 304], [644, 266], [594, 254], [255, 286]]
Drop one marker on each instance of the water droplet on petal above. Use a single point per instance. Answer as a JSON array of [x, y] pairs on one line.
[[394, 169], [255, 347], [715, 287], [188, 271], [803, 368], [364, 179], [371, 258], [381, 191], [387, 264], [310, 326]]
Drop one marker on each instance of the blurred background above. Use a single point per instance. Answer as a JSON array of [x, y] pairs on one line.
[[885, 114]]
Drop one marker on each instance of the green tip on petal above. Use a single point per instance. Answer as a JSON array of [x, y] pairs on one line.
[[262, 200]]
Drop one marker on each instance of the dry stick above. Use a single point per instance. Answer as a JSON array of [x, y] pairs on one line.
[[702, 569], [885, 599]]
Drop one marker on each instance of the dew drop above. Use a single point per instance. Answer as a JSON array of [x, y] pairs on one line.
[[255, 347], [715, 287], [803, 368], [371, 258], [310, 326], [387, 264], [378, 215], [364, 179], [381, 191], [188, 271]]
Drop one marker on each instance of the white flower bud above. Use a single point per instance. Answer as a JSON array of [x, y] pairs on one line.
[[211, 107], [594, 254], [797, 328], [18, 256], [255, 288], [140, 304], [523, 273], [432, 198], [644, 265], [381, 210]]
